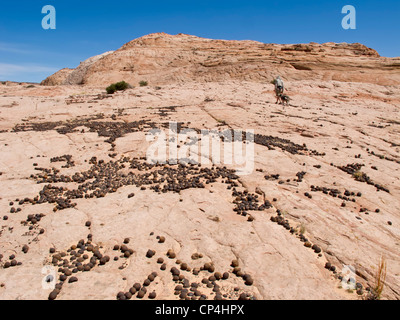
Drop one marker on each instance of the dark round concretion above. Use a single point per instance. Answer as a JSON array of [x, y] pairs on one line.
[[328, 265], [53, 294], [235, 263], [183, 295], [132, 290], [128, 295], [184, 266], [25, 248], [88, 224], [163, 266], [243, 296], [150, 253], [151, 277], [146, 282], [116, 247], [316, 248], [72, 279], [152, 295], [137, 286], [67, 272], [240, 274], [175, 271], [160, 260], [217, 275], [141, 294], [225, 275], [172, 255], [236, 270]]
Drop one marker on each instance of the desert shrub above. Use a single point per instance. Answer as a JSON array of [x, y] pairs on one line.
[[380, 278], [118, 86], [143, 83]]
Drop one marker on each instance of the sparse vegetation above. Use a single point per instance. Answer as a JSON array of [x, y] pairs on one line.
[[302, 229], [143, 83], [118, 86], [375, 293], [358, 175]]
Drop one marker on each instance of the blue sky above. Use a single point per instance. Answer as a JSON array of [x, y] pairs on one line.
[[87, 28]]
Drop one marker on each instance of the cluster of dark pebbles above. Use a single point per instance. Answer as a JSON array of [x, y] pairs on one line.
[[300, 175], [107, 177], [139, 290], [279, 219], [11, 262], [186, 289], [245, 201], [166, 111], [381, 156], [110, 129], [67, 158], [82, 257], [336, 193], [354, 170], [271, 177], [272, 142], [126, 252]]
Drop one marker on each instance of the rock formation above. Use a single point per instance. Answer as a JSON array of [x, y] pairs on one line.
[[161, 58]]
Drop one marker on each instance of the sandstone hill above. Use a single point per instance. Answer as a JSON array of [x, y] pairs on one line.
[[161, 58]]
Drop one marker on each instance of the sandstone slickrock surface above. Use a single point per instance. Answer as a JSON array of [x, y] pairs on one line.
[[161, 58], [78, 199]]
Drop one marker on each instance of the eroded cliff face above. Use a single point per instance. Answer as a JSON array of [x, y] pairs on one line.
[[161, 58]]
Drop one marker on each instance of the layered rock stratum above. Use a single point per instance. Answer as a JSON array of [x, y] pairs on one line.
[[161, 58], [324, 191]]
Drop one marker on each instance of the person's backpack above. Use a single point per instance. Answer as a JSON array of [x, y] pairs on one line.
[[278, 83]]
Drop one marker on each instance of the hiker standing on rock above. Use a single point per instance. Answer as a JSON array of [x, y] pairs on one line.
[[279, 88]]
